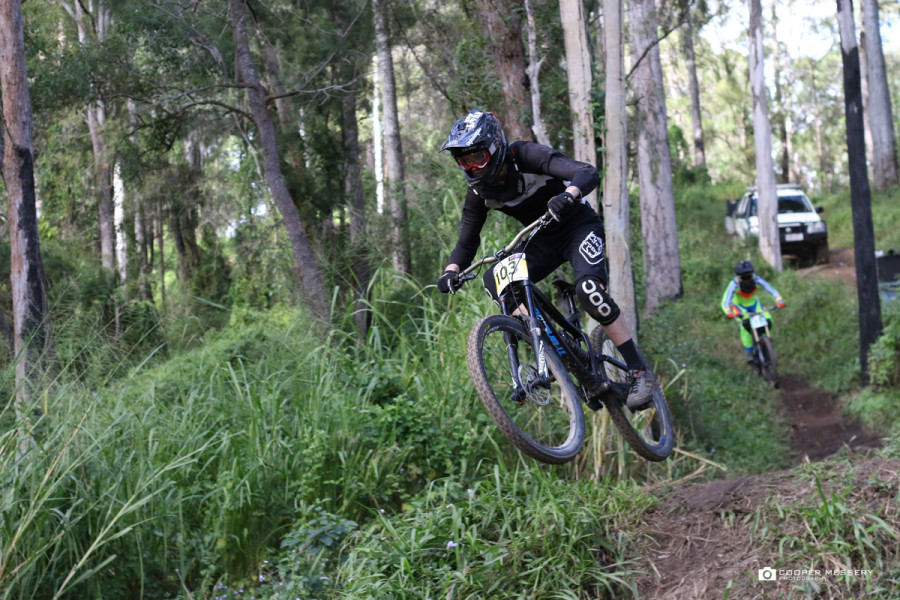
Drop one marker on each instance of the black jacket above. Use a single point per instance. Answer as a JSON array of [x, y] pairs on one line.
[[535, 174]]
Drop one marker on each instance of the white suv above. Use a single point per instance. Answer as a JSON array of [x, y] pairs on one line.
[[803, 233]]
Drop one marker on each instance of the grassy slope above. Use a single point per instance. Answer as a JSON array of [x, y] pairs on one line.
[[293, 468]]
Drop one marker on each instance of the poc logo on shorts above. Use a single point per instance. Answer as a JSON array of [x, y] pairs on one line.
[[592, 290], [592, 248]]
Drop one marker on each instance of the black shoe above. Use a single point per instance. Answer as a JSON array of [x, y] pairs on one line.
[[641, 393]]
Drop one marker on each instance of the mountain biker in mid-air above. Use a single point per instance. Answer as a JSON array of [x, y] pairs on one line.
[[741, 297], [525, 180]]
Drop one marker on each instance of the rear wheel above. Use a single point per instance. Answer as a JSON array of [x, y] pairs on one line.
[[769, 360], [542, 419], [649, 430]]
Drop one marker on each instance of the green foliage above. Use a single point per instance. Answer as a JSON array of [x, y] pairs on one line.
[[501, 538]]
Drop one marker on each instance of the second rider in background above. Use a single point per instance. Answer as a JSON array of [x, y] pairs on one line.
[[741, 297], [525, 180]]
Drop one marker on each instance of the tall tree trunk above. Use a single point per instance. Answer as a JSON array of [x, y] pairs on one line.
[[31, 321], [306, 262], [782, 100], [879, 111], [395, 178], [578, 71], [502, 23], [860, 196], [615, 189], [92, 21], [767, 203], [662, 261], [694, 87], [119, 222], [533, 70], [377, 138]]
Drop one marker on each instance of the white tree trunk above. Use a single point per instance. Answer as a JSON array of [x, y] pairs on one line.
[[534, 69], [377, 138], [615, 189], [769, 244], [662, 261], [578, 71], [119, 219], [694, 87], [880, 113]]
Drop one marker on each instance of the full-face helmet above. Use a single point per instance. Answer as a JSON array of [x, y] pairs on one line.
[[745, 276], [478, 144]]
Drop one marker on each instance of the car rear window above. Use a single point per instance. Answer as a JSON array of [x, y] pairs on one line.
[[786, 205]]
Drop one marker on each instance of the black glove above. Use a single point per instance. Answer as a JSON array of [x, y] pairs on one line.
[[559, 204], [449, 282]]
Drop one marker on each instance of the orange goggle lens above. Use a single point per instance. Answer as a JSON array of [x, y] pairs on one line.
[[475, 160]]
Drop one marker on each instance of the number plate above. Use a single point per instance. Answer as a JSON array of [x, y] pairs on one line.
[[757, 321], [793, 237], [511, 268]]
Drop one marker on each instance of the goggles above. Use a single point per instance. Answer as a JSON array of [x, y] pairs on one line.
[[747, 276], [474, 160]]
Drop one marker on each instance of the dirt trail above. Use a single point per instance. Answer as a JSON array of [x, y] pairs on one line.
[[701, 539]]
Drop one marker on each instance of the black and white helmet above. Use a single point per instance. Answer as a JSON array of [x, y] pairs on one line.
[[478, 143]]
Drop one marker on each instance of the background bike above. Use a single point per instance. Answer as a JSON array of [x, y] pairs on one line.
[[523, 365], [764, 361]]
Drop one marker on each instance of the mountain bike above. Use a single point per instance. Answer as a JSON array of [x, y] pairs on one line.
[[763, 360], [533, 367]]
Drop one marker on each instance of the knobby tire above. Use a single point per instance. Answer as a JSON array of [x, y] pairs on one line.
[[547, 423], [650, 432], [767, 351]]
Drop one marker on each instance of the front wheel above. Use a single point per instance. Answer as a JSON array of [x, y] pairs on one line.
[[543, 419], [768, 360], [649, 430]]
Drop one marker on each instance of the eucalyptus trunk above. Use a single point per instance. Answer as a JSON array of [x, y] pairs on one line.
[[662, 260], [578, 71], [534, 70], [767, 200], [502, 22], [31, 322], [880, 113], [616, 211], [305, 260], [860, 195], [395, 179], [694, 89]]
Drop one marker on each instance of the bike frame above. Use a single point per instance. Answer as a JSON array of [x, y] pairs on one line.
[[544, 320], [754, 331]]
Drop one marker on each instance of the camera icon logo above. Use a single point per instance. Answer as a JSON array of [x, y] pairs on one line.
[[768, 574]]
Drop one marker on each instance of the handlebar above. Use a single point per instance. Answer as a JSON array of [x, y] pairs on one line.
[[746, 315], [532, 228]]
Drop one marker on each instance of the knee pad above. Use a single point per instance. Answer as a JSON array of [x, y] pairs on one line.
[[593, 297]]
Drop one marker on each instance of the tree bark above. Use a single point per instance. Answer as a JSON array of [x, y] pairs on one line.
[[502, 23], [860, 195], [880, 113], [395, 179], [31, 320], [616, 211], [95, 24], [306, 262], [533, 70], [662, 261], [578, 71], [767, 201], [694, 88]]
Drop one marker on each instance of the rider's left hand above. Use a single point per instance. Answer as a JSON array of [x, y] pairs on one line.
[[780, 304]]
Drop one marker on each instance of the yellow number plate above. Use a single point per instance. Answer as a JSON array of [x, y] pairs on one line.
[[512, 268]]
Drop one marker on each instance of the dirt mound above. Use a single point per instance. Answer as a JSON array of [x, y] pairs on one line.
[[710, 540]]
